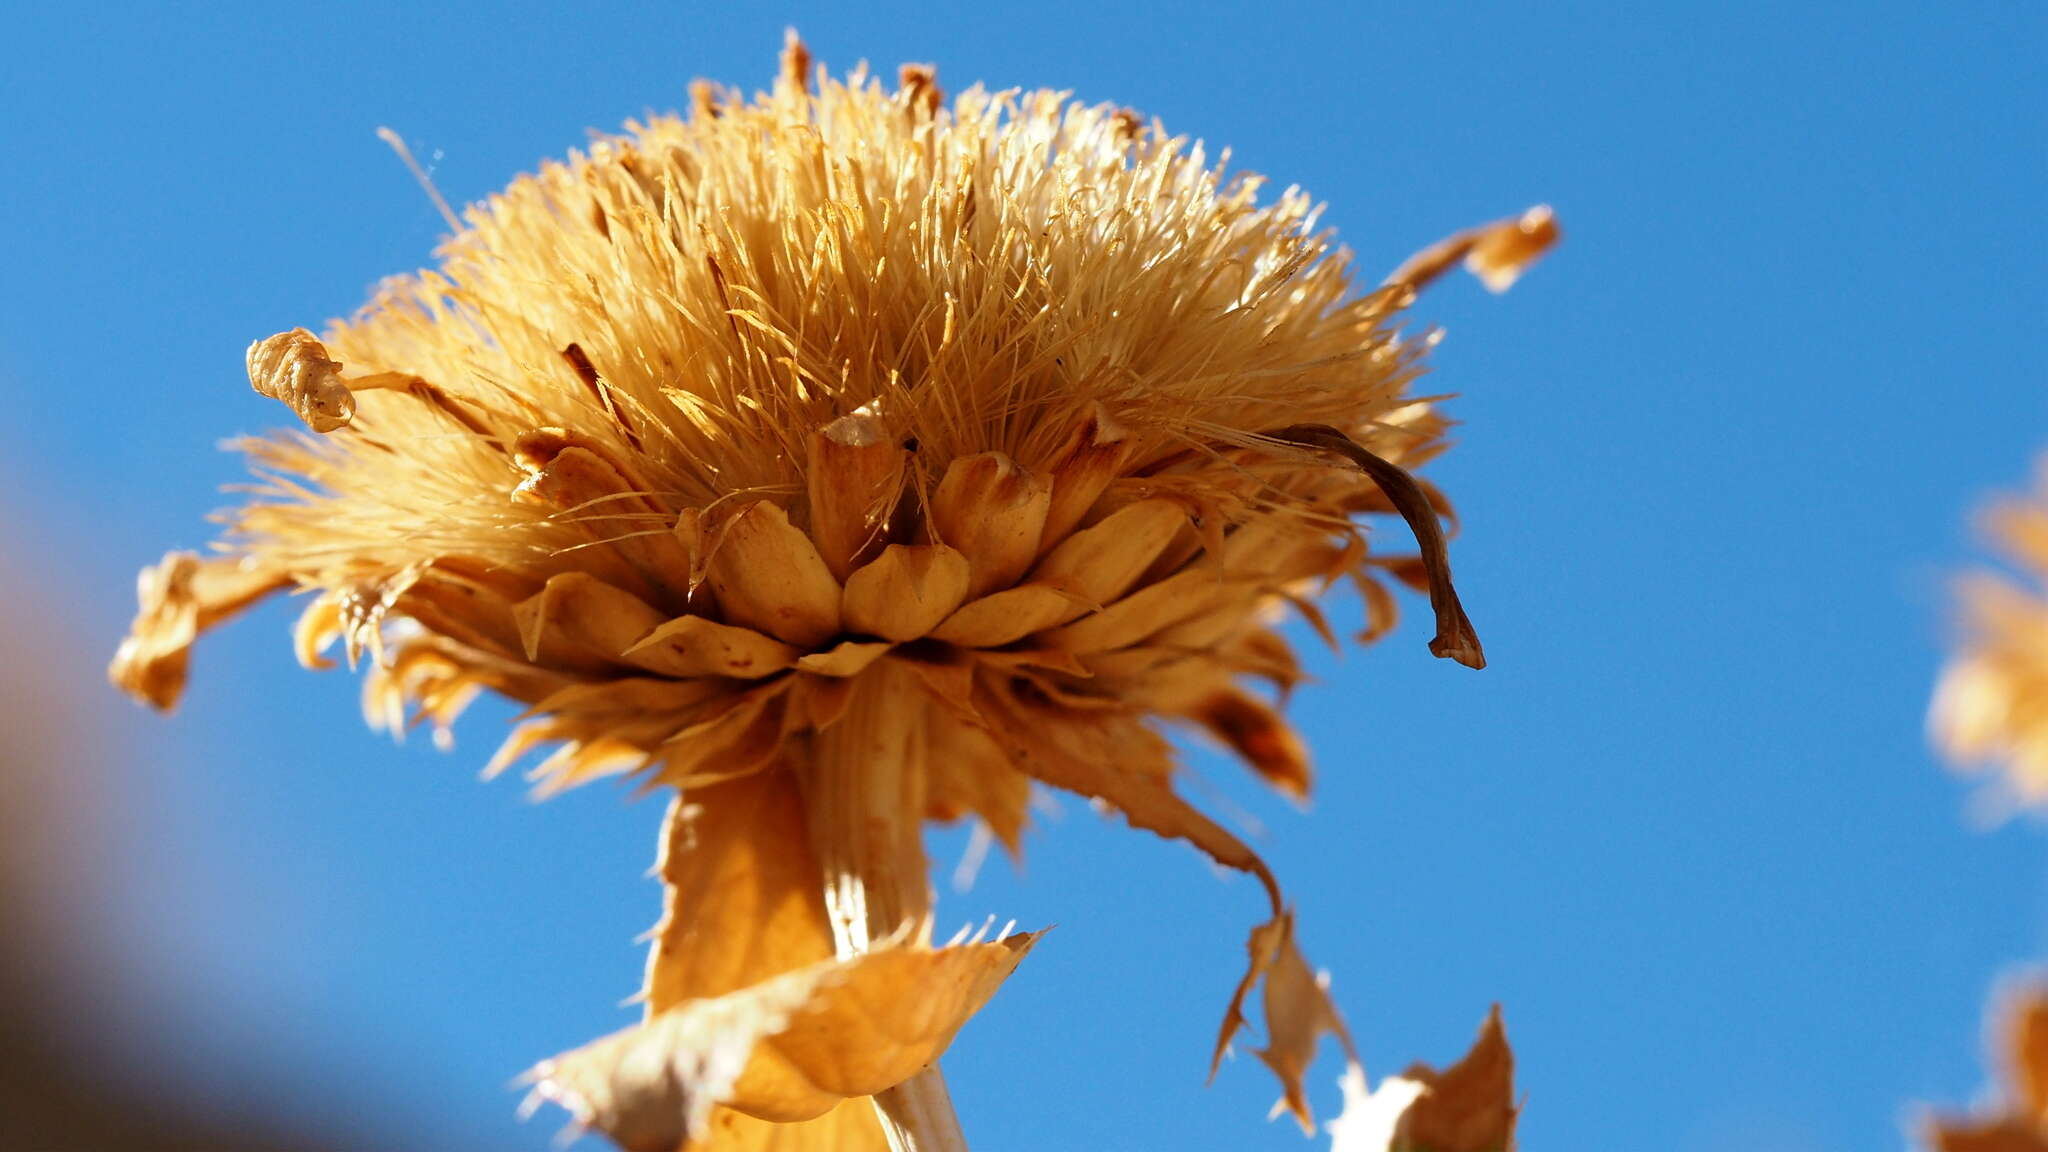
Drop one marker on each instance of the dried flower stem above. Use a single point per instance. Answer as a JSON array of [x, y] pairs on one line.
[[864, 793]]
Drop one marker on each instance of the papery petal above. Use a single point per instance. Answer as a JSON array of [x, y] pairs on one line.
[[906, 591], [785, 1049], [180, 597]]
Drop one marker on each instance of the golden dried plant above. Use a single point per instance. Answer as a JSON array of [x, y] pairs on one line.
[[1991, 705], [845, 459]]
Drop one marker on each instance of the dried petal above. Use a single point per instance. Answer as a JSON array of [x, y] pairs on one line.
[[906, 591], [994, 512], [1004, 617], [1298, 1013], [851, 1126], [742, 899], [579, 617], [180, 597], [784, 1049], [1081, 471], [1150, 609], [694, 646], [1497, 253], [847, 658], [1099, 563], [769, 577], [854, 478], [1258, 734]]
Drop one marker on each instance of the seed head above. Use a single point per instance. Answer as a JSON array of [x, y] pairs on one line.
[[967, 442]]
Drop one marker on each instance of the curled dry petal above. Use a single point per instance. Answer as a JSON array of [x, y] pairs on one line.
[[180, 597], [293, 367], [1298, 1013], [785, 1049], [1454, 638]]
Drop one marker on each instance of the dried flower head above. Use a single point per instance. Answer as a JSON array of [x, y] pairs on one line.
[[845, 459], [1991, 706]]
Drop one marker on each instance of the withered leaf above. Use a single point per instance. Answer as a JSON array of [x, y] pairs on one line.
[[786, 1049], [1470, 1106]]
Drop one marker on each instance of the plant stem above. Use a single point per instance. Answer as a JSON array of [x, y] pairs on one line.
[[864, 792]]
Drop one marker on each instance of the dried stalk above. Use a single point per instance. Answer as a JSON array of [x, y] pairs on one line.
[[864, 793]]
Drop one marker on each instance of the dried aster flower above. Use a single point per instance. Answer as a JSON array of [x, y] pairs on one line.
[[1991, 705], [845, 459]]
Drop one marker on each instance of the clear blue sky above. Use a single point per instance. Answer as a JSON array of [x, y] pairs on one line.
[[1717, 458]]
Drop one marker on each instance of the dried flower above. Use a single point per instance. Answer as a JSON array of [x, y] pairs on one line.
[[844, 459], [1991, 705]]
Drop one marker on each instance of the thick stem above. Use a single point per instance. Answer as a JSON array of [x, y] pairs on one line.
[[864, 793]]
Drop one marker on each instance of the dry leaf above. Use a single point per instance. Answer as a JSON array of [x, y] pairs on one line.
[[1470, 1106], [1298, 1013], [742, 900], [786, 1049]]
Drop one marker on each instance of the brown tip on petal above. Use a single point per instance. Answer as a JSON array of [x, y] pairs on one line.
[[1455, 638], [293, 367], [919, 84], [704, 101], [796, 61]]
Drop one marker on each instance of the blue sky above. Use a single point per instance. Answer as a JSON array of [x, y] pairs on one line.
[[1716, 465]]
